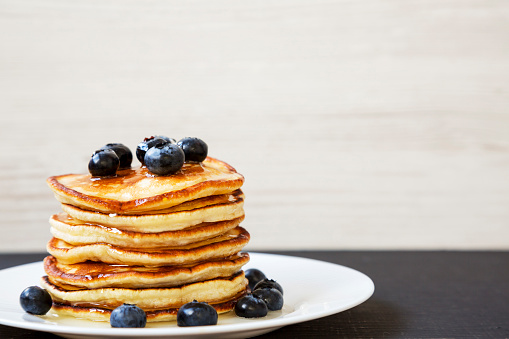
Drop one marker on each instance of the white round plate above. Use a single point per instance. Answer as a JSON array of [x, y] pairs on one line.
[[312, 289]]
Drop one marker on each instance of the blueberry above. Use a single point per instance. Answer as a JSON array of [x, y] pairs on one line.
[[164, 159], [251, 307], [196, 314], [254, 276], [147, 144], [195, 149], [128, 315], [35, 300], [173, 141], [123, 152], [104, 162], [272, 298], [268, 283]]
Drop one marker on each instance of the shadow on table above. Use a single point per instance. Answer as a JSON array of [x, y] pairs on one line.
[[19, 333], [373, 319]]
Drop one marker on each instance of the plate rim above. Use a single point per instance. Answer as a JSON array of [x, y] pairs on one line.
[[273, 323]]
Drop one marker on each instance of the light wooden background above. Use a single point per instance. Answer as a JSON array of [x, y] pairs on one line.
[[357, 124]]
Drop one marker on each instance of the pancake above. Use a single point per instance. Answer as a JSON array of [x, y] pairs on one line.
[[134, 190], [103, 314], [194, 204], [158, 242], [98, 275], [78, 232], [151, 223], [210, 291], [221, 246]]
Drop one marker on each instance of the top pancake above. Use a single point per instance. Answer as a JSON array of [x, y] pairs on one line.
[[134, 190]]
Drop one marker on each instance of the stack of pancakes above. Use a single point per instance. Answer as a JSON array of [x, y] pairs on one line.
[[155, 241]]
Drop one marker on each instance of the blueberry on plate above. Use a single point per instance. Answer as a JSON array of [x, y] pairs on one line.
[[196, 314], [164, 159], [147, 144], [35, 300], [269, 283], [254, 276], [250, 306], [272, 298], [123, 152], [104, 162], [128, 315], [195, 149]]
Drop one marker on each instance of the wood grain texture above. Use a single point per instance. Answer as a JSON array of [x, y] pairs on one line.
[[357, 124]]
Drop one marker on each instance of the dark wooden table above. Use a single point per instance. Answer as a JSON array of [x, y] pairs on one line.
[[417, 295]]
